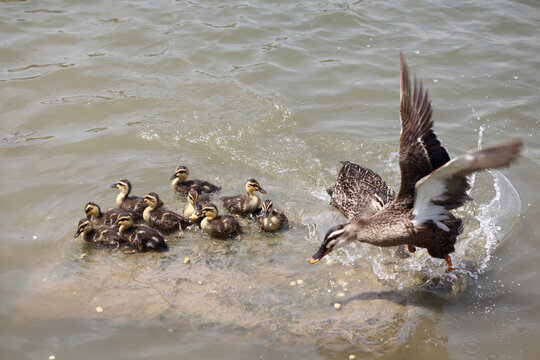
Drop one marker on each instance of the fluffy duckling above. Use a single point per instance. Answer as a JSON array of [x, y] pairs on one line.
[[134, 204], [182, 186], [109, 217], [102, 234], [140, 237], [220, 226], [271, 219], [195, 203], [159, 217], [246, 203]]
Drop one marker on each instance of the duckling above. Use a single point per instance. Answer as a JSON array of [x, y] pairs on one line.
[[247, 203], [140, 237], [159, 217], [102, 234], [109, 217], [195, 203], [134, 204], [182, 186], [271, 219], [220, 226]]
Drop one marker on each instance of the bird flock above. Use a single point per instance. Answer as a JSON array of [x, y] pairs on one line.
[[140, 222]]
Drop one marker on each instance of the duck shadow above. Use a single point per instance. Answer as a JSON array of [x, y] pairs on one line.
[[432, 296]]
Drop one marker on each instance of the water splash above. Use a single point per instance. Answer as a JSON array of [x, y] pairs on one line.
[[488, 222]]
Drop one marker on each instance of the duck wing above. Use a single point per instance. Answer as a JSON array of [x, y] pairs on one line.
[[446, 188], [359, 191], [420, 152]]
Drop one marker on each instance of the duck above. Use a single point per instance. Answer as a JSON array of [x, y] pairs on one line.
[[220, 226], [132, 203], [359, 191], [271, 219], [159, 217], [247, 203], [182, 186], [140, 236], [109, 217], [195, 203], [431, 185], [101, 234]]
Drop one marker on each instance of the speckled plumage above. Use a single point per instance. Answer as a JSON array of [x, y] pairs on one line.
[[134, 204], [244, 204], [141, 237], [109, 217], [220, 226], [159, 217], [271, 219], [182, 186], [359, 192], [102, 234]]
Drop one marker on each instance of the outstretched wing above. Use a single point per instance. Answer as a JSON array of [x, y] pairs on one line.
[[420, 152], [359, 192], [446, 188]]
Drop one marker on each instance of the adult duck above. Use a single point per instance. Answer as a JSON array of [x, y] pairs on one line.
[[431, 186]]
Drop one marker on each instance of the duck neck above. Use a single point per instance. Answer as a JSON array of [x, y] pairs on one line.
[[254, 200], [175, 183], [377, 234], [122, 229], [121, 197], [147, 211], [86, 235]]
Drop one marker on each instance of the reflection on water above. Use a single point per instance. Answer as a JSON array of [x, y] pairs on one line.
[[96, 92]]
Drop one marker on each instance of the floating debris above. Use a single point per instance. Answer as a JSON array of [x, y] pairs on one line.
[[337, 306], [99, 309], [352, 357], [292, 283], [34, 237], [299, 281], [52, 357], [187, 260], [340, 294], [83, 255]]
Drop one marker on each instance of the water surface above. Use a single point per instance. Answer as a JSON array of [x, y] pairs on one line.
[[95, 92]]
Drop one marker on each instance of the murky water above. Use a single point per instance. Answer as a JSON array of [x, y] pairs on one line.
[[95, 92]]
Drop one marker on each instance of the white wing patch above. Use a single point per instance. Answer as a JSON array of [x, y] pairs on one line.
[[432, 188]]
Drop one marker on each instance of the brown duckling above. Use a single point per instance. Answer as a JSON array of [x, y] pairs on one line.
[[215, 225], [271, 219], [141, 237], [101, 234], [109, 217], [195, 203], [159, 217], [124, 201], [431, 186], [247, 203], [182, 186]]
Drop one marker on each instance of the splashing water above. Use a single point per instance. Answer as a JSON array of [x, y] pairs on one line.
[[488, 221]]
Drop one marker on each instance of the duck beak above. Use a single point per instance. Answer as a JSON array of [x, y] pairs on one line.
[[261, 190], [113, 185], [196, 215], [77, 234], [265, 213], [172, 176], [319, 255]]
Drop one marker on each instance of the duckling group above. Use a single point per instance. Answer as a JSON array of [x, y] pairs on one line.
[[140, 221]]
